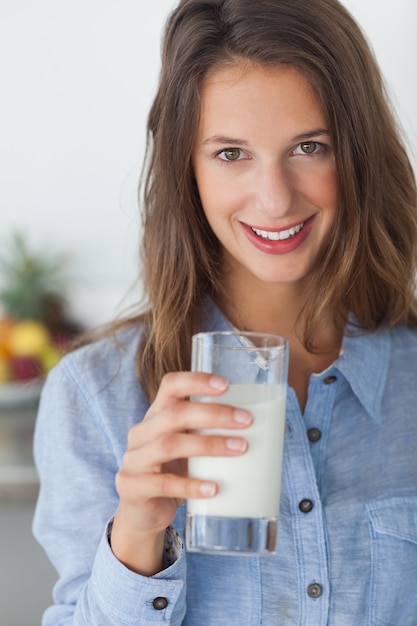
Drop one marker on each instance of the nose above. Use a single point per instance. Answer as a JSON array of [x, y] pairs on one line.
[[274, 190]]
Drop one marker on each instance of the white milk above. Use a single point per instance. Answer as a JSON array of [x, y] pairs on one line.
[[249, 485]]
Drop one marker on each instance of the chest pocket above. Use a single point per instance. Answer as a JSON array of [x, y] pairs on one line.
[[393, 596]]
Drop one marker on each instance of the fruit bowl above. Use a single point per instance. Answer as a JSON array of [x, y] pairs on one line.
[[35, 327]]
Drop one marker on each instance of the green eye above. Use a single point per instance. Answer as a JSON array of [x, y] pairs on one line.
[[309, 147], [232, 154]]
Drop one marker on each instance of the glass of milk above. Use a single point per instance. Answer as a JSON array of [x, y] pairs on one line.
[[242, 517]]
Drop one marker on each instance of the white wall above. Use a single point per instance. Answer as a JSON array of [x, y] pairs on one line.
[[77, 78], [391, 29]]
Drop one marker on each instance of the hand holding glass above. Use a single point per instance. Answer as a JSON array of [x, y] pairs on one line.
[[242, 517]]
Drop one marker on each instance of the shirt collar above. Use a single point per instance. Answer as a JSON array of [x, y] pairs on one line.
[[363, 361]]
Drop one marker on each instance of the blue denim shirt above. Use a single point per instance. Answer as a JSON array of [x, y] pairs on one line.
[[351, 560]]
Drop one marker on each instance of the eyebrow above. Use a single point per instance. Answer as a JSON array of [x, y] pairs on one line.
[[318, 132], [233, 141], [225, 140]]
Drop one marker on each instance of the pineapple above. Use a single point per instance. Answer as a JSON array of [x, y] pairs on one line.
[[29, 280]]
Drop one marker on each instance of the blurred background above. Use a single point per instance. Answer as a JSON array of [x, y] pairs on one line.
[[77, 80]]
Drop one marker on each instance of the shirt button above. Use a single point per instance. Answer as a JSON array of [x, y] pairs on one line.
[[314, 434], [305, 506], [329, 380], [159, 604], [315, 590]]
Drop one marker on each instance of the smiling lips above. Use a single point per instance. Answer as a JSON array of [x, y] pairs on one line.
[[278, 241], [279, 235]]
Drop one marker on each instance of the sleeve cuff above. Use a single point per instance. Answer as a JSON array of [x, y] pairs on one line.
[[126, 596], [173, 545]]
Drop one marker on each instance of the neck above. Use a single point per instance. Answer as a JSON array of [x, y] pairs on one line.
[[276, 309], [259, 307]]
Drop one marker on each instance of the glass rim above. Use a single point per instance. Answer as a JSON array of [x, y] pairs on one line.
[[276, 341]]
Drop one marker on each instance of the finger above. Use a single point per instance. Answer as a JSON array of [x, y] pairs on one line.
[[186, 415], [182, 446], [149, 486], [181, 385]]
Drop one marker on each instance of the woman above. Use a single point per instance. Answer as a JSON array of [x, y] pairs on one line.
[[278, 198]]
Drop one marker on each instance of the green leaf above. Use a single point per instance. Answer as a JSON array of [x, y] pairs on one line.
[[28, 278]]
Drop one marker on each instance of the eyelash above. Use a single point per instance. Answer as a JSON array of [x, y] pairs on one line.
[[320, 147]]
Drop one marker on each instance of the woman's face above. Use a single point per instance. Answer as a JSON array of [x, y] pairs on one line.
[[265, 169]]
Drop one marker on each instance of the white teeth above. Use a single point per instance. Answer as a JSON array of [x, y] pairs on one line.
[[279, 235]]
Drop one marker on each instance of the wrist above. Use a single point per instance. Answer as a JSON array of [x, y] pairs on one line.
[[140, 552]]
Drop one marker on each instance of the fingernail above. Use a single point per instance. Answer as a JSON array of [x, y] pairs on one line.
[[208, 489], [242, 417], [218, 383], [235, 444]]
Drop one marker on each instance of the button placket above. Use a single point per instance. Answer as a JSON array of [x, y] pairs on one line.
[[306, 512], [318, 415]]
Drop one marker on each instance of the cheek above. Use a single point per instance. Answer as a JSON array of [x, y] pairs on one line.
[[332, 184], [219, 198], [325, 190]]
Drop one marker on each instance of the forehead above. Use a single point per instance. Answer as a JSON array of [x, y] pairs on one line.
[[241, 93]]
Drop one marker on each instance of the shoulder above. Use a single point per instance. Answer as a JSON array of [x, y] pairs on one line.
[[404, 339], [93, 395], [100, 374], [403, 352], [99, 363]]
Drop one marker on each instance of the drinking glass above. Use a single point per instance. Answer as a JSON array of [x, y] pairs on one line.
[[242, 517]]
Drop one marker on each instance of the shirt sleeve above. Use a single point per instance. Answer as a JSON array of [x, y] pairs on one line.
[[77, 461], [116, 596]]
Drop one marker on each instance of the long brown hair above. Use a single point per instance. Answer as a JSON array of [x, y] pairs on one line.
[[369, 265]]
